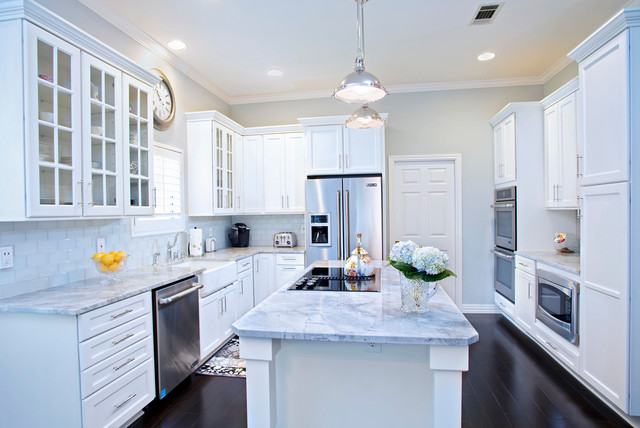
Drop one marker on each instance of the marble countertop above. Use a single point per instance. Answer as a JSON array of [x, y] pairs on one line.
[[568, 262], [356, 317], [84, 296]]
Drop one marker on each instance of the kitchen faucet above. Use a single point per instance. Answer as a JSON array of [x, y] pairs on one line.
[[170, 246]]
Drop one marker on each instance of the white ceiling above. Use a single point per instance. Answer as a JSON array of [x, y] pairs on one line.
[[410, 44]]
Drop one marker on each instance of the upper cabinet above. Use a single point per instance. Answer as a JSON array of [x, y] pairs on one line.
[[284, 176], [80, 135], [251, 199], [560, 146], [504, 150], [332, 148]]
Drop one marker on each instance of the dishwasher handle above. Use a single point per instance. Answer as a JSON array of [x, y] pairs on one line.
[[170, 299]]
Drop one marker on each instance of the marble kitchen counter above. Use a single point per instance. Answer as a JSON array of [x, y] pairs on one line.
[[237, 253], [374, 317], [83, 296], [568, 262]]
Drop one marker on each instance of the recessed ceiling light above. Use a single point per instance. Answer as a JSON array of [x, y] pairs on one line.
[[177, 45], [486, 56], [274, 72]]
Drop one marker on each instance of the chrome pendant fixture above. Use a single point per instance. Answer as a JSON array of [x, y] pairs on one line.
[[360, 86], [365, 118]]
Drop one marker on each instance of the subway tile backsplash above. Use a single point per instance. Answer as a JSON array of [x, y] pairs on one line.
[[52, 253]]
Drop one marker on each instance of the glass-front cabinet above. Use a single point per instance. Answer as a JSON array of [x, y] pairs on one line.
[[102, 137], [223, 152], [52, 131], [138, 156]]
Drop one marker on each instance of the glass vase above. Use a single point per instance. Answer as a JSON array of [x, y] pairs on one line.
[[415, 294]]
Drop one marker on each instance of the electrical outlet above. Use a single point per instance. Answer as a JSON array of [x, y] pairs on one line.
[[100, 245], [6, 257], [210, 232], [373, 348]]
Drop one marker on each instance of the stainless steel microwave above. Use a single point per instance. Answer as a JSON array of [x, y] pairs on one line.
[[557, 306]]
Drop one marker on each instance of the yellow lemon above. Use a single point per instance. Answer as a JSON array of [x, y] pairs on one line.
[[113, 253], [108, 260], [103, 268], [114, 267], [97, 257]]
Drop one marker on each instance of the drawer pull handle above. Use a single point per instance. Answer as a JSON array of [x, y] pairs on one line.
[[555, 348], [123, 364], [128, 336], [125, 401], [121, 314]]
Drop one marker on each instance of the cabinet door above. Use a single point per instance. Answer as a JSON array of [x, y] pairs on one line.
[[363, 150], [53, 123], [286, 273], [200, 171], [568, 169], [102, 137], [223, 169], [509, 149], [525, 305], [252, 174], [604, 82], [229, 310], [604, 292], [264, 278], [138, 157], [245, 292], [238, 175], [294, 150], [274, 173], [324, 149], [552, 155], [210, 315]]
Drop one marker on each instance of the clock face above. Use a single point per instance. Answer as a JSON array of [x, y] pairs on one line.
[[163, 103]]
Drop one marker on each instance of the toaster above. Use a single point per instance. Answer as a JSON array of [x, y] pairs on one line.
[[284, 239]]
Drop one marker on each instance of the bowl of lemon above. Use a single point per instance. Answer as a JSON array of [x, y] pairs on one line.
[[110, 263]]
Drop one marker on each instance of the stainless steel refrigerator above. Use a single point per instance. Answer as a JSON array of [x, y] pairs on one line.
[[337, 209]]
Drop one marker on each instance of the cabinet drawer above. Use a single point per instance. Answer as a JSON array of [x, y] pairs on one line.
[[245, 264], [565, 352], [117, 402], [109, 369], [108, 343], [526, 265], [290, 259], [113, 315]]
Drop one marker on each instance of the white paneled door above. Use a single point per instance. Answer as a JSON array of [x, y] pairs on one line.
[[424, 207]]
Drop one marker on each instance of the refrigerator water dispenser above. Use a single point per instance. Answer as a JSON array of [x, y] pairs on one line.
[[320, 229]]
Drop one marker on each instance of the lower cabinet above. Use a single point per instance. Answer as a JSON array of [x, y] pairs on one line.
[[288, 268], [217, 312], [245, 285], [525, 293], [264, 280], [228, 310]]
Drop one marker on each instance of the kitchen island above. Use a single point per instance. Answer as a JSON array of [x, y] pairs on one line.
[[318, 359]]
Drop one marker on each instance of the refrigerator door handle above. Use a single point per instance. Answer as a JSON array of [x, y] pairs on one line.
[[347, 222], [339, 243]]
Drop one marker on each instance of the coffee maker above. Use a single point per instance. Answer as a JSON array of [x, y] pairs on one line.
[[239, 235]]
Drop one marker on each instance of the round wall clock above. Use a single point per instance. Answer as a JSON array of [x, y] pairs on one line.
[[164, 102]]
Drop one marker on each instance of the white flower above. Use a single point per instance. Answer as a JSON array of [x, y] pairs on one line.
[[403, 252], [430, 260]]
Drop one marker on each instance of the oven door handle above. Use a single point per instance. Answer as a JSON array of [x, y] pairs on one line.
[[502, 206], [503, 255], [170, 299]]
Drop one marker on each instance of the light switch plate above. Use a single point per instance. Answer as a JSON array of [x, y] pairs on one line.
[[100, 245], [373, 348], [6, 257]]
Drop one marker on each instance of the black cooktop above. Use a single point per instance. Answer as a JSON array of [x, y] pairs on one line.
[[334, 279]]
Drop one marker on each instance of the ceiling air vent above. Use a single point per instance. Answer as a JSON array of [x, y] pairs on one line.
[[485, 14]]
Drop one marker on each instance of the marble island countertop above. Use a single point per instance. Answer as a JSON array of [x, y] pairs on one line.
[[568, 262], [92, 293], [356, 316]]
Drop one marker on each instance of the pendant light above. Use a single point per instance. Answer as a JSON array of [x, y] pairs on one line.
[[360, 86], [364, 118]]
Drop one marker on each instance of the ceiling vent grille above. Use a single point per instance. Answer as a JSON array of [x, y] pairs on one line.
[[486, 14]]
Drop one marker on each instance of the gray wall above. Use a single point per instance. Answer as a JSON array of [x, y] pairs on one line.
[[430, 123], [566, 74]]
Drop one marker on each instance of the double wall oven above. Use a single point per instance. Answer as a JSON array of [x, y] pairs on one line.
[[505, 241]]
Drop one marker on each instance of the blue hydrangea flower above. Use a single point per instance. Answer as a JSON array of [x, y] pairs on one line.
[[430, 260], [403, 252]]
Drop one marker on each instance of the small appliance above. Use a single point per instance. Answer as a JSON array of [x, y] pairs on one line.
[[239, 235], [334, 279], [558, 304], [284, 240], [210, 245]]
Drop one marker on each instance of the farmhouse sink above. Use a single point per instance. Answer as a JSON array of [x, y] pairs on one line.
[[217, 273]]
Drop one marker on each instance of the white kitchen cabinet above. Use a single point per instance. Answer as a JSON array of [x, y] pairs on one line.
[[211, 179], [245, 286], [210, 312], [252, 159], [288, 267], [284, 176], [336, 149], [228, 310], [604, 82], [263, 276], [558, 347], [525, 293], [504, 140], [561, 156]]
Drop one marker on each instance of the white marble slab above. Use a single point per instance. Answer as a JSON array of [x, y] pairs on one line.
[[237, 253], [568, 262], [356, 316]]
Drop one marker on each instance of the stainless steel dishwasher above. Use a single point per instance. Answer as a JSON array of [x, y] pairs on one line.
[[177, 333]]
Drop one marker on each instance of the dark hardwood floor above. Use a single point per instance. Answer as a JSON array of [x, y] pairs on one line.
[[510, 383]]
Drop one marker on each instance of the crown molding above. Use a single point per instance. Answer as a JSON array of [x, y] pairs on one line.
[[152, 45], [331, 120], [568, 88], [515, 108]]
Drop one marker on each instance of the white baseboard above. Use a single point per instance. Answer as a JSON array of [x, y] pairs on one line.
[[480, 309]]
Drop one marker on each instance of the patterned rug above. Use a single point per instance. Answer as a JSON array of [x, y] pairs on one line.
[[225, 362]]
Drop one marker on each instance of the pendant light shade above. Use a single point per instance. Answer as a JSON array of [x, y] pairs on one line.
[[360, 86], [365, 118]]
